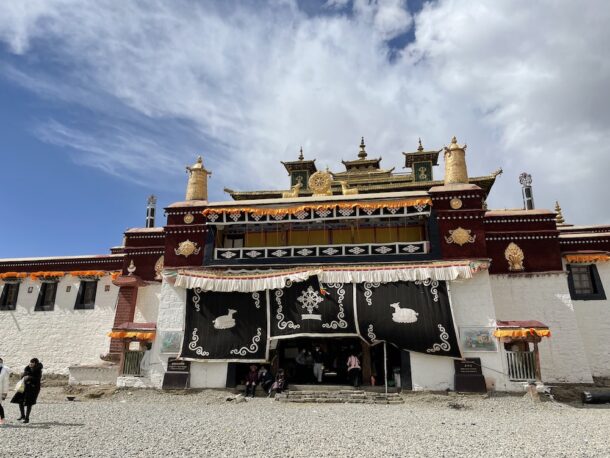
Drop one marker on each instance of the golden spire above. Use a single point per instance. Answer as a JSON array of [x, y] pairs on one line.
[[197, 187], [559, 216], [455, 163], [362, 153], [420, 148], [301, 157]]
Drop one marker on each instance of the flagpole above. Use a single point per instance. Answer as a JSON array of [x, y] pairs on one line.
[[385, 365]]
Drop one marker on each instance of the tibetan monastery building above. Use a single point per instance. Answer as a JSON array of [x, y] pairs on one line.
[[428, 286]]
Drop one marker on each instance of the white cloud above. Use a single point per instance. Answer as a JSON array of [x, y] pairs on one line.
[[523, 83]]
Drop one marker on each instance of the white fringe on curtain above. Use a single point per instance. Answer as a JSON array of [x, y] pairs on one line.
[[245, 284]]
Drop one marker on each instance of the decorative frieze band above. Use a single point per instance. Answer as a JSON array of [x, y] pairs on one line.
[[519, 237], [519, 220], [140, 253], [453, 196], [61, 261], [402, 248], [145, 236], [591, 240], [461, 217]]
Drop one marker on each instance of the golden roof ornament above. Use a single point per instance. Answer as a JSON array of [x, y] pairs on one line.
[[197, 187], [362, 152], [455, 163], [301, 157], [559, 217], [320, 183], [420, 148]]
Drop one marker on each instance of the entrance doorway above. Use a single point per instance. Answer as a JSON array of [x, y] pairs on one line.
[[334, 354]]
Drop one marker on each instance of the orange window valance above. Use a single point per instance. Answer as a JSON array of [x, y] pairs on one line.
[[13, 275], [319, 206], [586, 258], [48, 274], [522, 332]]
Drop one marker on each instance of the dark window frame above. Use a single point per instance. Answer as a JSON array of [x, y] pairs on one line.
[[598, 293], [5, 303], [82, 301], [41, 303]]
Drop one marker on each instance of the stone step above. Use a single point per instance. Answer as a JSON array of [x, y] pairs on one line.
[[347, 396]]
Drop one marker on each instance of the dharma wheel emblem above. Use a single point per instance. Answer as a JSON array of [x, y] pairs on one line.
[[187, 248], [189, 218], [460, 236], [320, 183], [455, 203]]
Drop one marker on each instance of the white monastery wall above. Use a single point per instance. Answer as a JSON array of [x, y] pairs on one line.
[[545, 297], [172, 303], [472, 304], [62, 337], [593, 318], [147, 304]]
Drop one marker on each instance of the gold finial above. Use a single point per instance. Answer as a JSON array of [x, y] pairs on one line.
[[420, 148], [455, 163], [559, 216], [301, 157], [197, 187], [362, 153]]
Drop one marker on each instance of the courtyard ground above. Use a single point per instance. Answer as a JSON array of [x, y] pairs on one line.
[[105, 422]]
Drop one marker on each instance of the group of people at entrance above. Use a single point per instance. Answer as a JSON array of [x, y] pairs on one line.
[[26, 391], [314, 363], [265, 379]]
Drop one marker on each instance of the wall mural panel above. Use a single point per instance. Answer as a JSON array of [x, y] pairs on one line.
[[414, 316], [225, 326], [306, 308]]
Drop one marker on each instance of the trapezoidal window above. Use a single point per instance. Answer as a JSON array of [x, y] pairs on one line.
[[46, 297], [8, 299], [584, 282], [86, 295]]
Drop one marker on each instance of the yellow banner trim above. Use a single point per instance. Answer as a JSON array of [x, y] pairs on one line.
[[326, 206]]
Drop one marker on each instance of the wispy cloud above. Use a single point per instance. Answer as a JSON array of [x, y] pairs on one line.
[[523, 83]]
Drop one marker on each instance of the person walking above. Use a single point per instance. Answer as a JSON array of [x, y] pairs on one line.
[[32, 374], [353, 369], [4, 385], [318, 363]]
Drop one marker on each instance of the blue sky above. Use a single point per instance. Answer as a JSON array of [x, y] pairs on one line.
[[103, 103]]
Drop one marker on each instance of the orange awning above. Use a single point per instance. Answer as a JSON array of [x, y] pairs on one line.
[[521, 329], [137, 331], [137, 335], [522, 332]]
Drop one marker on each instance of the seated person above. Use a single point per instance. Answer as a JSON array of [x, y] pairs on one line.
[[265, 379], [280, 383]]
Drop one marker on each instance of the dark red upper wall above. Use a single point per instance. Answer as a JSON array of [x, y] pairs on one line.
[[64, 264]]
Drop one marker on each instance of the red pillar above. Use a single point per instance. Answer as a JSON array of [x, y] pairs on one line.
[[125, 307]]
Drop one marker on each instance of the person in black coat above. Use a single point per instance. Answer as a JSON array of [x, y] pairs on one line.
[[32, 374]]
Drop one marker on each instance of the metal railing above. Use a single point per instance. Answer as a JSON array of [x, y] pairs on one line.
[[521, 365], [131, 363]]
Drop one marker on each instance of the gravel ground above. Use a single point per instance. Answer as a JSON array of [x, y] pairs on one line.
[[148, 423]]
